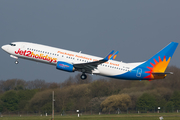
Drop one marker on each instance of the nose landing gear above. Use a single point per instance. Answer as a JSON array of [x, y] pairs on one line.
[[83, 76], [16, 62]]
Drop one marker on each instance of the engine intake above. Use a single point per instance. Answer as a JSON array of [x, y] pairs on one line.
[[65, 66]]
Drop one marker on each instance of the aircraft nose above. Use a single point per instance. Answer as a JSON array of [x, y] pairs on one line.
[[4, 47]]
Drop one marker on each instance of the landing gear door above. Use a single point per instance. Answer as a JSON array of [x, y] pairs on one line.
[[139, 72]]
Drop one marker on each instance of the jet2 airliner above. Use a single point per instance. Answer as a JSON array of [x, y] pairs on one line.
[[70, 61]]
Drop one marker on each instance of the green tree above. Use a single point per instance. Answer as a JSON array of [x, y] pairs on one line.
[[47, 107], [95, 103], [114, 102], [146, 102], [10, 100], [40, 100], [176, 99], [24, 96], [100, 88], [169, 106], [1, 106]]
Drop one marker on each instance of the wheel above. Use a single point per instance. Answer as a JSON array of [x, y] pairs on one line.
[[16, 62], [83, 76]]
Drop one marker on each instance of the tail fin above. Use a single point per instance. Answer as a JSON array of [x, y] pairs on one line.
[[114, 55], [159, 62], [108, 56]]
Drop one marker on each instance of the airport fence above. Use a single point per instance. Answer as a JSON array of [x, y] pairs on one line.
[[89, 112]]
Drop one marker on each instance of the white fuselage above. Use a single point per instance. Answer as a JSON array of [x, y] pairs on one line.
[[51, 55]]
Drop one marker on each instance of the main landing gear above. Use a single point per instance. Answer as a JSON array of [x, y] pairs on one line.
[[83, 76]]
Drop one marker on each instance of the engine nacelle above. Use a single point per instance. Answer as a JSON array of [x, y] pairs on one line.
[[65, 66]]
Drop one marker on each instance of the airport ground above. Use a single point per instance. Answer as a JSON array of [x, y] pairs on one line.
[[144, 116]]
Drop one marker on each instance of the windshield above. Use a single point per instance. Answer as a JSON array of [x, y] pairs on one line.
[[12, 44]]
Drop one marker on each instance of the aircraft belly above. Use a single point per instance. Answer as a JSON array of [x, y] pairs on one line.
[[111, 72]]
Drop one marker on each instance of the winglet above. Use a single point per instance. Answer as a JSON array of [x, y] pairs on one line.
[[108, 56], [114, 55]]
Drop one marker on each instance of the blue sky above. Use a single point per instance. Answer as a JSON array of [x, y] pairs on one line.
[[137, 29]]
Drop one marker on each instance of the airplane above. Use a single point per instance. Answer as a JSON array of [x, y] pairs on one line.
[[71, 61]]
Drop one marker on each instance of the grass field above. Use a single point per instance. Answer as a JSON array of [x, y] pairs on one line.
[[145, 116]]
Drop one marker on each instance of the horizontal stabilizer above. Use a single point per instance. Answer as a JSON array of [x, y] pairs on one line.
[[160, 73]]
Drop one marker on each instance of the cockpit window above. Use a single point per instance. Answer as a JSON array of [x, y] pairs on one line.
[[12, 44]]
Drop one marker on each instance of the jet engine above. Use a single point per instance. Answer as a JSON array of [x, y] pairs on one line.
[[65, 66]]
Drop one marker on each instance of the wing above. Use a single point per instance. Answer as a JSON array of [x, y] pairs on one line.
[[88, 67]]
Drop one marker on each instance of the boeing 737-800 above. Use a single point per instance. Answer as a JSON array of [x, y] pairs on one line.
[[70, 61]]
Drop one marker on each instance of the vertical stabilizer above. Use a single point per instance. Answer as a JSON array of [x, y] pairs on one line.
[[159, 62]]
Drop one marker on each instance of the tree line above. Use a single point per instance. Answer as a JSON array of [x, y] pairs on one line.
[[102, 95]]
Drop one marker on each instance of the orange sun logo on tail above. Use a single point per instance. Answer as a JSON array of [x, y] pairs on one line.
[[158, 67]]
